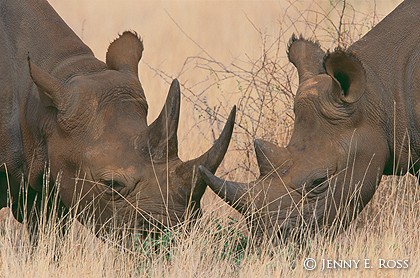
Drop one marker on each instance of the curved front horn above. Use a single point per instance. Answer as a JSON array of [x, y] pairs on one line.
[[214, 156], [210, 159], [234, 193]]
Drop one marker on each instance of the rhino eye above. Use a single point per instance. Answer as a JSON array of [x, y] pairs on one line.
[[318, 182], [115, 185], [317, 185]]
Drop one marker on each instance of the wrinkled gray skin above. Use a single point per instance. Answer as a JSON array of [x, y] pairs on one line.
[[86, 120], [357, 117]]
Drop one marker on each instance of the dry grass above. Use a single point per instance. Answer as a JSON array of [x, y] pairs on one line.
[[262, 84], [387, 229]]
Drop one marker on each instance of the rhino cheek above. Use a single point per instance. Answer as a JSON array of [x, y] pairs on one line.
[[296, 202], [73, 193], [345, 196], [75, 185]]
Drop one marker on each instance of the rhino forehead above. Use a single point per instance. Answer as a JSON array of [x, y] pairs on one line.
[[309, 84], [308, 92], [113, 155], [121, 120], [314, 86], [96, 127]]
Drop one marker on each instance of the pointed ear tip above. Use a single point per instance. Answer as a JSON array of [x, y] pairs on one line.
[[131, 33], [340, 53]]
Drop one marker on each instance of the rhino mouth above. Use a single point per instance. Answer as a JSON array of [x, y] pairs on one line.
[[296, 228], [131, 238], [138, 227], [305, 217]]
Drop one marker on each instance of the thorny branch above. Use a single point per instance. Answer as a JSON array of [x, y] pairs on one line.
[[265, 85]]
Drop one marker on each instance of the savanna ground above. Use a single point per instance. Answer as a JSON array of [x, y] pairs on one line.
[[225, 53]]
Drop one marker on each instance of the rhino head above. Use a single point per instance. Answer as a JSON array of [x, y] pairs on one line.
[[109, 160], [330, 168]]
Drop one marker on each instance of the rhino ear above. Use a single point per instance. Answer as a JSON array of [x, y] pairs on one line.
[[163, 139], [348, 71], [51, 90], [125, 52], [307, 56]]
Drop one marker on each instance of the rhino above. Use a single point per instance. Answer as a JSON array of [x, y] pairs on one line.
[[357, 117], [84, 122]]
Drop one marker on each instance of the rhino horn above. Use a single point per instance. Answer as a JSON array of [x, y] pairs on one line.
[[51, 90], [270, 157], [210, 159], [214, 156], [307, 56], [163, 139], [125, 52], [234, 193]]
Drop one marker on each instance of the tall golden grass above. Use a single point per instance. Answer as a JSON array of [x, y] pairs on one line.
[[386, 231], [224, 53]]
